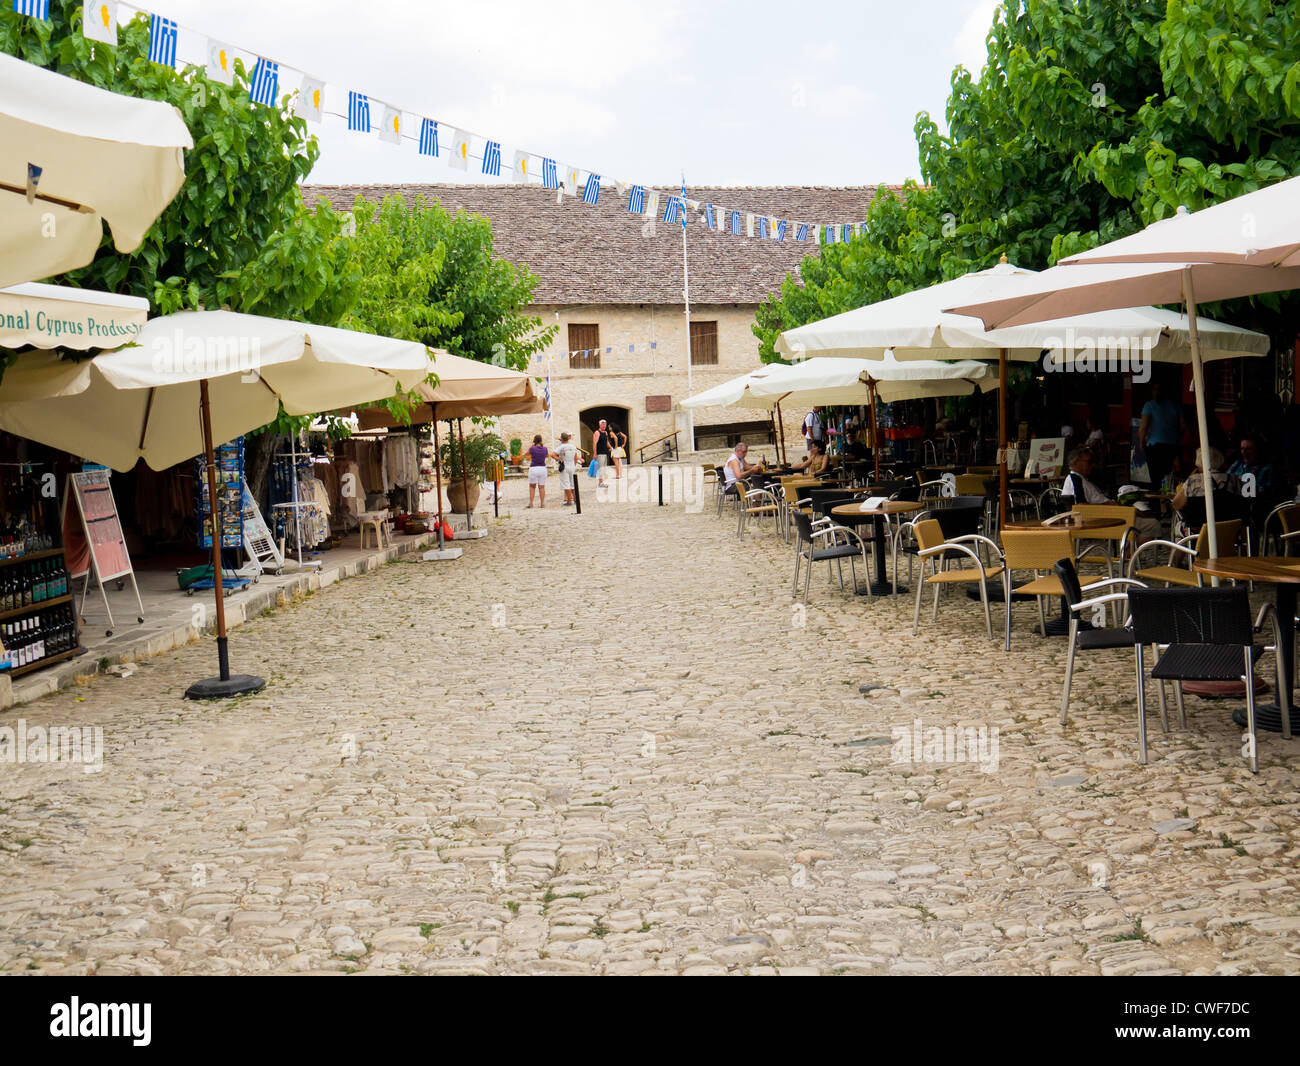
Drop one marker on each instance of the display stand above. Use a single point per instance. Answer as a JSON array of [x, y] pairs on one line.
[[40, 580], [93, 542], [264, 554], [296, 505]]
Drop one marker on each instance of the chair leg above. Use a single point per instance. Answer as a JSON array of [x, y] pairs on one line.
[[798, 555], [1042, 617], [916, 615], [1249, 678], [1178, 702], [1283, 696], [1006, 600], [1069, 668], [839, 568], [1142, 706], [988, 613], [934, 617], [807, 577]]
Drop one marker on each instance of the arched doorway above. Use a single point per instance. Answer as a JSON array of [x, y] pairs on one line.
[[589, 418]]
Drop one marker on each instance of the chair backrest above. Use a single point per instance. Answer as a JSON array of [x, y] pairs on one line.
[[1191, 616], [928, 533], [1069, 580], [1289, 516], [970, 484], [1029, 549], [960, 520], [1228, 532], [802, 526]]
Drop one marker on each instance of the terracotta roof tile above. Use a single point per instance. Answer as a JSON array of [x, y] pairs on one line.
[[585, 254]]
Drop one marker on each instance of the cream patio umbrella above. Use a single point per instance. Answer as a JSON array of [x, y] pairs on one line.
[[201, 377], [857, 381], [75, 157], [33, 315], [736, 393], [930, 321]]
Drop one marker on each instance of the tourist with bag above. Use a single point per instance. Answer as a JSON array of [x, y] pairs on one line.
[[569, 458]]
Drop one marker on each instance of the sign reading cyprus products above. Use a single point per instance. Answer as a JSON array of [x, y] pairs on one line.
[[53, 316]]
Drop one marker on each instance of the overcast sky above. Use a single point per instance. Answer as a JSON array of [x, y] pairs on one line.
[[735, 93]]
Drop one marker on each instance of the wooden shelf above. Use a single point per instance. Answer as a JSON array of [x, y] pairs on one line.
[[49, 660], [32, 608], [31, 557]]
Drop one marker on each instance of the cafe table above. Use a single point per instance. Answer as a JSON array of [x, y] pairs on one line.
[[1079, 529], [1283, 574], [851, 514]]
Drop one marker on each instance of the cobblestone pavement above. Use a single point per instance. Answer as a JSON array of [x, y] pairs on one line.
[[610, 744]]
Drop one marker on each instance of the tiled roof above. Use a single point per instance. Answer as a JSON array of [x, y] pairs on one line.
[[586, 254]]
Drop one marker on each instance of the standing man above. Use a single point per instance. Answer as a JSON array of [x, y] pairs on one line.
[[813, 430], [600, 448], [1159, 433]]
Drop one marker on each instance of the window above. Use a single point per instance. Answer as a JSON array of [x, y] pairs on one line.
[[704, 343], [584, 339]]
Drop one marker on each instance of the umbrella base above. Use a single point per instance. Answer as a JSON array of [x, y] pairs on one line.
[[216, 688], [439, 554]]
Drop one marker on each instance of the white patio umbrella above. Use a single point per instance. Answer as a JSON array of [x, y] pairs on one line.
[[735, 392], [859, 381], [929, 322], [201, 377], [60, 316], [75, 155]]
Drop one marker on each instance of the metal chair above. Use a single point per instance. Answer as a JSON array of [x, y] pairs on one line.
[[1098, 638], [1170, 574], [758, 503], [933, 546], [805, 549], [1036, 551], [1286, 541], [1207, 635]]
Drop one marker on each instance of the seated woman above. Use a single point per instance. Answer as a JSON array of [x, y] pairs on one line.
[[1194, 486], [816, 462]]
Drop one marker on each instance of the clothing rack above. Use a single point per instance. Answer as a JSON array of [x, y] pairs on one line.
[[293, 455]]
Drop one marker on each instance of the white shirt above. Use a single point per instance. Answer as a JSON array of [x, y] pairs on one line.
[[1091, 494], [733, 469], [813, 425]]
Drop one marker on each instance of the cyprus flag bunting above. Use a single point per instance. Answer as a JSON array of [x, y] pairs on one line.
[[521, 166], [221, 62], [390, 129], [310, 101], [459, 158], [99, 21]]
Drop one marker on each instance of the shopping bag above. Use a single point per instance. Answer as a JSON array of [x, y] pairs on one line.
[[594, 468]]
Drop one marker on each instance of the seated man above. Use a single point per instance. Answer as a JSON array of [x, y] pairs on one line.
[[735, 467], [855, 449], [1079, 486], [1252, 465], [816, 461]]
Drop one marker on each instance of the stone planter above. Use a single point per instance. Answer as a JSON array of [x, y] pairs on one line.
[[462, 495]]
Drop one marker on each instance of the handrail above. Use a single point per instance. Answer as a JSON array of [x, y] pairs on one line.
[[658, 440]]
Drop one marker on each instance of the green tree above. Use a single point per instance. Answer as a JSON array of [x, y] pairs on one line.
[[237, 234]]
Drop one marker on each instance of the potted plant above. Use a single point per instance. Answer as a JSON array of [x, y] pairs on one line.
[[463, 482], [516, 451]]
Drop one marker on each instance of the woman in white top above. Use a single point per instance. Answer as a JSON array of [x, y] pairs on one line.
[[569, 457]]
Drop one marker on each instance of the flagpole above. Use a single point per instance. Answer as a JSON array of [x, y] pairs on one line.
[[686, 301]]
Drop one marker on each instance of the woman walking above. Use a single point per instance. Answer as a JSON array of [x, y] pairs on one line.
[[618, 450], [537, 456], [569, 457]]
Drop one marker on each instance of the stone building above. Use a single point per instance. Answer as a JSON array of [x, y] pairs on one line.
[[612, 282]]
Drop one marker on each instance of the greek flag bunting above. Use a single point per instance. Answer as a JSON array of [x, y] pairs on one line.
[[710, 220], [591, 191], [162, 40], [735, 223], [763, 230], [636, 200], [429, 137], [550, 179], [801, 232], [265, 83], [546, 393], [492, 159], [37, 9], [670, 209], [358, 112], [780, 229]]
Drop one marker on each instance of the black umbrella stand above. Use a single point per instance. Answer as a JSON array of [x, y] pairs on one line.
[[225, 685]]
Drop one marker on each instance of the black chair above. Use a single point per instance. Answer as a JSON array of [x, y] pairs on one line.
[[1206, 635], [1098, 638], [805, 548]]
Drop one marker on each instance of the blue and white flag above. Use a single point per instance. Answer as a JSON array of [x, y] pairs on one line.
[[358, 112], [37, 9], [801, 232], [546, 392], [710, 219], [670, 209], [764, 230], [636, 200], [591, 191], [162, 40], [830, 234], [550, 179], [735, 223], [780, 229], [264, 86], [429, 137], [492, 159]]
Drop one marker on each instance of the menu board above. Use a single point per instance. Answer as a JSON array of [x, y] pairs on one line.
[[93, 535]]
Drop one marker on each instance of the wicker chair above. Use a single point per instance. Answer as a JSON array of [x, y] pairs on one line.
[[1037, 551], [1169, 574], [841, 546], [940, 552]]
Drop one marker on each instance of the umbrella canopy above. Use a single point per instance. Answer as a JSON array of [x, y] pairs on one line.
[[465, 388], [75, 155], [850, 381], [142, 402], [58, 316], [736, 392], [1261, 228]]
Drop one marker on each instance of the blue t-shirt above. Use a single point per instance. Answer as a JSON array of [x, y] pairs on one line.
[[1164, 421]]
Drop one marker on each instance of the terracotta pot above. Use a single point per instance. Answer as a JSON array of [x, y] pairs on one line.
[[462, 495]]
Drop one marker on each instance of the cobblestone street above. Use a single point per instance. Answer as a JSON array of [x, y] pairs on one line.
[[608, 743]]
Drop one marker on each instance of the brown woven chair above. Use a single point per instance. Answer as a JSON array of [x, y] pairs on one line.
[[1184, 552], [1038, 552], [941, 553]]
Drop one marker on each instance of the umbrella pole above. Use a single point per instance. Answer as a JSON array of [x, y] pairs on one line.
[[224, 685], [875, 443], [464, 474], [1202, 422], [780, 421], [437, 473], [1003, 495]]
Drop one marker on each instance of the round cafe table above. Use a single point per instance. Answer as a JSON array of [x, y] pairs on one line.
[[852, 514], [1078, 528], [1283, 573]]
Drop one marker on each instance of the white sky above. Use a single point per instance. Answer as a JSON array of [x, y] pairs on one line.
[[736, 93]]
